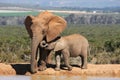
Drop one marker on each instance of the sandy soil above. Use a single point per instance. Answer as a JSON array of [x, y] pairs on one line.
[[93, 70]]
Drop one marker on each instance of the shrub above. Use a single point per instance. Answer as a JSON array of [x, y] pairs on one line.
[[104, 43]]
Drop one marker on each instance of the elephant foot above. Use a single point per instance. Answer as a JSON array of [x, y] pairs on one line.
[[57, 69], [33, 71], [70, 68], [42, 68], [84, 67], [34, 68]]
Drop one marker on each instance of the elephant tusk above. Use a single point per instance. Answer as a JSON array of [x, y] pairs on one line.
[[43, 44]]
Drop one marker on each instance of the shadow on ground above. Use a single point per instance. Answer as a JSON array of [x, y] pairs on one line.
[[93, 70], [21, 69]]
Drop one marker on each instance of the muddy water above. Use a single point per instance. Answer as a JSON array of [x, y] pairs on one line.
[[15, 78], [51, 77]]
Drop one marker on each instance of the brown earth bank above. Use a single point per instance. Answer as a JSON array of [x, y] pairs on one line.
[[93, 70]]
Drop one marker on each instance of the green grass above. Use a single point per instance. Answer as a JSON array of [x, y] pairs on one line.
[[29, 13], [19, 13], [104, 42], [14, 43]]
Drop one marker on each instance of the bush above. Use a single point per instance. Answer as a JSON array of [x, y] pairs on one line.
[[104, 43], [14, 43]]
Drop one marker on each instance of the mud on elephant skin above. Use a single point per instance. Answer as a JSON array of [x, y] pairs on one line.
[[43, 26], [70, 46]]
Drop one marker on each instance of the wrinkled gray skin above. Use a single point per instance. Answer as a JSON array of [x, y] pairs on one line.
[[70, 46], [44, 26]]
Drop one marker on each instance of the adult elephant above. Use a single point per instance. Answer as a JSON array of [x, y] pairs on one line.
[[45, 26]]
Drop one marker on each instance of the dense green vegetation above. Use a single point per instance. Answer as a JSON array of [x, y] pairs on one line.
[[14, 44], [104, 42]]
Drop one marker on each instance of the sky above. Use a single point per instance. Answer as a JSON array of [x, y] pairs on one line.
[[68, 3]]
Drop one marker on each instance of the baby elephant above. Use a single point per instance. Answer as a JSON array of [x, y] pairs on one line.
[[70, 46]]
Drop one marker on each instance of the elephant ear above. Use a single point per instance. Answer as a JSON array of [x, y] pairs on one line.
[[60, 45], [28, 23], [55, 26]]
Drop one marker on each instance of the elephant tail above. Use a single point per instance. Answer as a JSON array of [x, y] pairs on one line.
[[88, 50]]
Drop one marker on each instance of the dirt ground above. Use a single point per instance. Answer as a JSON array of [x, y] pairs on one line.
[[93, 70]]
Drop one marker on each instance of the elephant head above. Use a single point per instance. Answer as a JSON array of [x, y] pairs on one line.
[[55, 46], [43, 44], [45, 25], [48, 46]]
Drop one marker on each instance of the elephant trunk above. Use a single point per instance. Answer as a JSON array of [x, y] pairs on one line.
[[48, 46], [34, 48], [43, 44]]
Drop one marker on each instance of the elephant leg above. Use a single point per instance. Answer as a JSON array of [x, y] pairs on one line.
[[58, 60], [84, 61], [42, 59], [33, 62], [66, 56], [39, 60], [49, 57]]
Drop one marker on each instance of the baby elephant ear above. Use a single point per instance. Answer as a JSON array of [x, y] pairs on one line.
[[56, 25], [60, 45]]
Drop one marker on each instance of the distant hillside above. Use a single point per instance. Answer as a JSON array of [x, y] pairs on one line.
[[11, 20], [93, 19], [106, 9], [111, 15], [71, 19]]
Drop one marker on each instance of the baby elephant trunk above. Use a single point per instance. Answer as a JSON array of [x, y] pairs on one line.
[[43, 44]]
